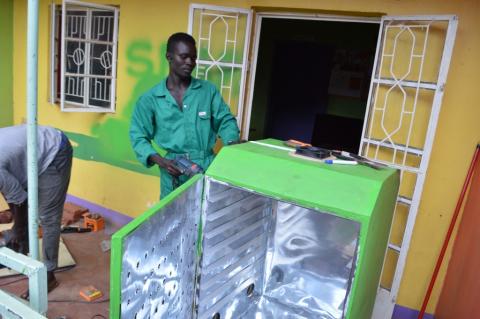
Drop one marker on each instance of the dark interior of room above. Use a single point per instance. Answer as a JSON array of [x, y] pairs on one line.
[[312, 81]]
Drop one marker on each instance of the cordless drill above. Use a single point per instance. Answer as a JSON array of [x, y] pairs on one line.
[[185, 167]]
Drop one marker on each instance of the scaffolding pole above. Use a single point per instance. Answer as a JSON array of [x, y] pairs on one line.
[[32, 76]]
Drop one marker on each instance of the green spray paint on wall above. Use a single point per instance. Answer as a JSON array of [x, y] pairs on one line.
[[6, 62], [109, 142]]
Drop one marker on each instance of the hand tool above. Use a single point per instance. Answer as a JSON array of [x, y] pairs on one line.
[[93, 221], [312, 151], [185, 167], [90, 293], [339, 161], [72, 229], [295, 143], [343, 155]]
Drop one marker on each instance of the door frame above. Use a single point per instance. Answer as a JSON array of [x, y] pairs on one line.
[[246, 110], [386, 299]]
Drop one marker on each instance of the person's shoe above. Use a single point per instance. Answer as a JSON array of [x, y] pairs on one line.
[[52, 283]]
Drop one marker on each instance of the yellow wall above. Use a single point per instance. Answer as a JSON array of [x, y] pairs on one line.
[[147, 24], [6, 66]]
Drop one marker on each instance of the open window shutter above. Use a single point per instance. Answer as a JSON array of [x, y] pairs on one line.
[[408, 81], [223, 36]]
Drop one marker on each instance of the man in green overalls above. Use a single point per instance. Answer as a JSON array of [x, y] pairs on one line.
[[182, 114]]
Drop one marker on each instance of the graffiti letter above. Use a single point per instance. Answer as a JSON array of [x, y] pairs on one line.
[[138, 55]]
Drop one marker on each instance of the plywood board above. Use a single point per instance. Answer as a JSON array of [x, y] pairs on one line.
[[65, 259]]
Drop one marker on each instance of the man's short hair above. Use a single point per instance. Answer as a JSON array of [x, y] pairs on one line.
[[179, 37]]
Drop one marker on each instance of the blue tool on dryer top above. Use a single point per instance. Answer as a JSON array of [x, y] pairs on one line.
[[340, 157], [360, 159]]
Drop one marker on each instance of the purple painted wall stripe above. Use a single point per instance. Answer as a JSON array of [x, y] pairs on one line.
[[115, 217], [400, 312]]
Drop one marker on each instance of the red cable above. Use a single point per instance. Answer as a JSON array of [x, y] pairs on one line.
[[449, 232]]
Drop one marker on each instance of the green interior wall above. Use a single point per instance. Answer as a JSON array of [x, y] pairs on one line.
[[335, 34], [6, 62]]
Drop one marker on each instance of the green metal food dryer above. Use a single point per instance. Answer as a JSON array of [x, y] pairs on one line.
[[263, 234]]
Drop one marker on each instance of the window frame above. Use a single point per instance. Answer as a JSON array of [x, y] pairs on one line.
[[58, 58]]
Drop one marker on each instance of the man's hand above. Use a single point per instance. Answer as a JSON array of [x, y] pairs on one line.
[[19, 237], [170, 167], [165, 164]]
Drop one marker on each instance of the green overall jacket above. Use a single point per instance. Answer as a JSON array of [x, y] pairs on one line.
[[189, 131]]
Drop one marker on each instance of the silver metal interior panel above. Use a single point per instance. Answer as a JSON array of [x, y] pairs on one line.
[[235, 235], [158, 266], [310, 263], [263, 258]]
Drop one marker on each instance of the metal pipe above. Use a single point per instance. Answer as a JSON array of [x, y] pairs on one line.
[[466, 183], [32, 162]]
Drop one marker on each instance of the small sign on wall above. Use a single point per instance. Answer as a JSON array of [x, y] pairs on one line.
[[348, 76]]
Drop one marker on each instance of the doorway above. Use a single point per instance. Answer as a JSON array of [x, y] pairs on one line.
[[312, 80]]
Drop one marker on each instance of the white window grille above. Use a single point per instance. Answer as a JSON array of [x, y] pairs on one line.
[[223, 36], [84, 56], [408, 80]]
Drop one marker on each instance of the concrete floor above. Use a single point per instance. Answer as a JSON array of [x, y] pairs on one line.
[[92, 268]]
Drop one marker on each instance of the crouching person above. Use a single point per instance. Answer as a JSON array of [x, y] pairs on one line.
[[54, 153]]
